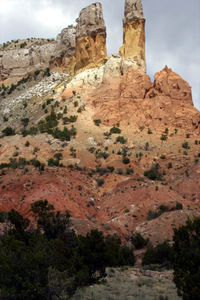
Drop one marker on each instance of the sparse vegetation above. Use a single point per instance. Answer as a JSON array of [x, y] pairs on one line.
[[97, 122], [185, 145], [164, 137], [138, 241], [121, 140], [153, 173], [115, 130], [162, 254], [8, 131]]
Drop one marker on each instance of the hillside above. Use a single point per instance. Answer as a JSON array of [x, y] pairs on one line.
[[94, 135]]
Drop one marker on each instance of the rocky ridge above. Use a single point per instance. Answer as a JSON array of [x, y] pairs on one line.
[[76, 48]]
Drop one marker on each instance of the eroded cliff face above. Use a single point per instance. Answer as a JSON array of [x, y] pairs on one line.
[[90, 38], [65, 50], [15, 64], [121, 92], [133, 31]]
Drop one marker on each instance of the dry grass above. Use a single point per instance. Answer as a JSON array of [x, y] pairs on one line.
[[123, 284]]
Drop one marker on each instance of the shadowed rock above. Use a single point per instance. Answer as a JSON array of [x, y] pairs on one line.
[[64, 54]]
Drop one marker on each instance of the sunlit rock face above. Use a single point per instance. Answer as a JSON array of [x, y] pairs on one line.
[[133, 31], [90, 38]]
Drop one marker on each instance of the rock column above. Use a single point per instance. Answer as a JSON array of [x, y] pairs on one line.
[[133, 31], [90, 38]]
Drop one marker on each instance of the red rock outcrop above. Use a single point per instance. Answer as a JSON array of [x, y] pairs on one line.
[[126, 95]]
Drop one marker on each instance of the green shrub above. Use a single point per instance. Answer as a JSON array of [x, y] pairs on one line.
[[8, 131], [164, 137], [97, 122], [138, 241], [115, 130], [5, 119], [31, 131], [179, 206], [125, 160], [162, 254], [27, 144], [47, 72], [23, 45], [70, 119], [153, 174], [92, 149], [121, 139], [185, 145], [58, 155], [129, 171], [53, 162], [75, 103], [153, 215], [100, 181], [146, 146], [169, 165], [25, 121], [110, 169]]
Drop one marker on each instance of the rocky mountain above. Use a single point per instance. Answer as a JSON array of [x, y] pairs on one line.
[[96, 136]]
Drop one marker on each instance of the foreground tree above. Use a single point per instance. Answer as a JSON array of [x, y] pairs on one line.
[[187, 260], [48, 261]]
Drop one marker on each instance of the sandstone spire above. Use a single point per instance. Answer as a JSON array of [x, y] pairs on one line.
[[90, 37], [133, 31]]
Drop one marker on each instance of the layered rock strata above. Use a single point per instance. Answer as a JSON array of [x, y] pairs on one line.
[[90, 38], [120, 91], [15, 64], [133, 31]]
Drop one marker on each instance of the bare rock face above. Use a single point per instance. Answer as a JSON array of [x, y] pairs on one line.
[[133, 31], [133, 9], [90, 37], [170, 84], [64, 54], [66, 41], [120, 91], [15, 64]]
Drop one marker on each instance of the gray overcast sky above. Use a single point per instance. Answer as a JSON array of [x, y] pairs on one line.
[[172, 29]]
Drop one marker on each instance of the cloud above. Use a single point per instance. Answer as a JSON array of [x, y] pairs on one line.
[[172, 30]]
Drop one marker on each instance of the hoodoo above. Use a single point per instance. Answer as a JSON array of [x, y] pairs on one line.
[[133, 31], [90, 37]]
